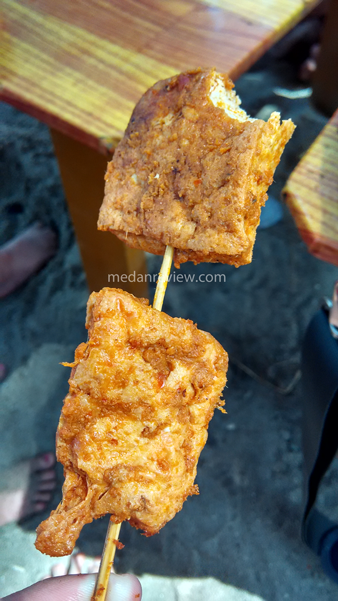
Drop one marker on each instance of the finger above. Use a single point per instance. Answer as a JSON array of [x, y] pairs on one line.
[[80, 588]]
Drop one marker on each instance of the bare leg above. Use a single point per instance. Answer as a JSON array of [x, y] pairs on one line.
[[25, 255]]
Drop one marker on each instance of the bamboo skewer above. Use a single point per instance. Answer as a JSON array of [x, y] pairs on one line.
[[163, 278], [112, 536], [107, 561]]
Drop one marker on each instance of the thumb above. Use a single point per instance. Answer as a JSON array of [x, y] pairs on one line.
[[80, 588]]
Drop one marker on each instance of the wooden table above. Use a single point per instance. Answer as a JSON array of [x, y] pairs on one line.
[[311, 193], [81, 65]]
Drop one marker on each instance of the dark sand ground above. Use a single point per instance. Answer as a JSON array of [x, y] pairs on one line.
[[243, 529]]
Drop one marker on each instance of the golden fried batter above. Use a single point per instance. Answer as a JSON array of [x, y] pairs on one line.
[[142, 392], [192, 171]]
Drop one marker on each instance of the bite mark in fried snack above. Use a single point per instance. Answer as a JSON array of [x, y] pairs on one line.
[[142, 392], [192, 171]]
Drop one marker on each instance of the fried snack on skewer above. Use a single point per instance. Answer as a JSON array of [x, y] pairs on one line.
[[192, 171], [142, 392], [113, 530]]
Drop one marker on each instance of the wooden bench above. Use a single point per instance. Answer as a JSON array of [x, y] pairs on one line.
[[311, 193], [81, 65]]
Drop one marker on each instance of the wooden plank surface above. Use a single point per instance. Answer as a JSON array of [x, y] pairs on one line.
[[311, 193], [81, 65], [106, 260]]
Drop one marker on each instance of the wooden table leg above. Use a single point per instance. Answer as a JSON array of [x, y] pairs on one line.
[[325, 78], [82, 172]]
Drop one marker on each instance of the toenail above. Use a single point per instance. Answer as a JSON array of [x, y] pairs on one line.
[[48, 459]]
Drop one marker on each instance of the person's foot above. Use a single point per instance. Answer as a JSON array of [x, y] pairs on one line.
[[32, 496], [79, 563], [25, 255]]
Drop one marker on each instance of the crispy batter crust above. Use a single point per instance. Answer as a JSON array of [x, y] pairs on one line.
[[188, 175], [142, 392]]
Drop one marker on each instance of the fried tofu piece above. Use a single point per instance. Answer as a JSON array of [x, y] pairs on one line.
[[142, 392], [192, 171]]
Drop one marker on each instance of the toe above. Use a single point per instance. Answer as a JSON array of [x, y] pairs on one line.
[[93, 568], [46, 475], [75, 565], [47, 485], [58, 569], [38, 507], [43, 461], [42, 496], [79, 559]]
